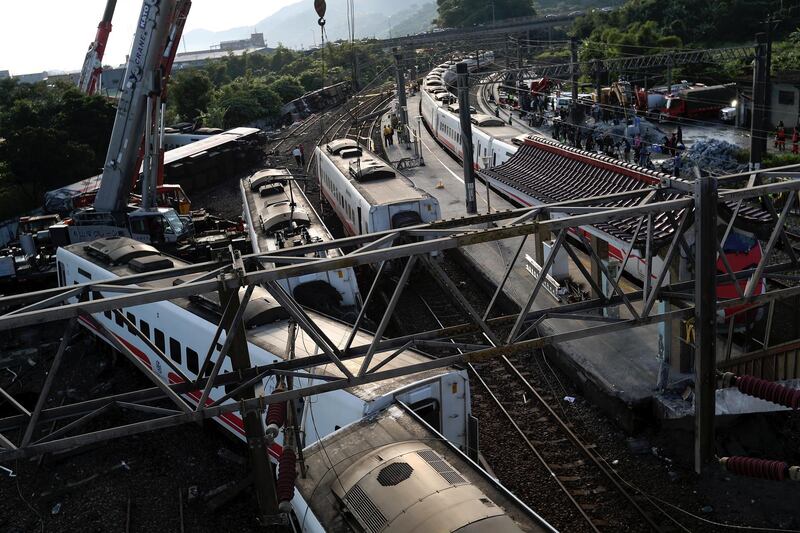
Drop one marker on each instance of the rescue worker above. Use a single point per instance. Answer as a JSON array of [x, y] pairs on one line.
[[780, 137], [679, 136], [387, 135], [302, 154], [298, 156], [589, 142], [795, 140], [627, 149]]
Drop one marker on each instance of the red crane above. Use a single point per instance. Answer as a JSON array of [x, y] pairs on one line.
[[93, 64]]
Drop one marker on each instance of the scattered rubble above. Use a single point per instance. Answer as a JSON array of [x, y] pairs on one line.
[[716, 156]]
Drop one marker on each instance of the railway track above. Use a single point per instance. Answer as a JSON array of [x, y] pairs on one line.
[[531, 443], [555, 454]]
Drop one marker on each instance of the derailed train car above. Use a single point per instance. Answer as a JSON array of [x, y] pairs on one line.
[[407, 435]]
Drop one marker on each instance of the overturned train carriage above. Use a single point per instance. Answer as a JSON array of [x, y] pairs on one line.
[[183, 328]]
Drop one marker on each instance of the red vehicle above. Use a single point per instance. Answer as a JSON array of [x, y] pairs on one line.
[[167, 195], [542, 86], [699, 101], [743, 252]]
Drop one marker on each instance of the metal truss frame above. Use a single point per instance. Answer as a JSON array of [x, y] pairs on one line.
[[507, 334], [625, 64]]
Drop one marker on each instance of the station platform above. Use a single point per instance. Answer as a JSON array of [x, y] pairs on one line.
[[617, 371]]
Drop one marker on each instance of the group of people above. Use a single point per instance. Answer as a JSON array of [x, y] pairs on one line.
[[780, 138], [388, 135], [634, 150], [390, 128], [674, 144]]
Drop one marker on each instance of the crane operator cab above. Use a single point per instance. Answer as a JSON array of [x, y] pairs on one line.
[[157, 225], [153, 226]]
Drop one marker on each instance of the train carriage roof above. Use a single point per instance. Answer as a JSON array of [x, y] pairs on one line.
[[393, 474], [376, 181], [272, 336]]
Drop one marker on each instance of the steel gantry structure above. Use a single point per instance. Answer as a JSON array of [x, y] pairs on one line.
[[691, 209], [667, 60], [522, 25]]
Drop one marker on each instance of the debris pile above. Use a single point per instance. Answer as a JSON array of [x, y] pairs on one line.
[[716, 156], [650, 133]]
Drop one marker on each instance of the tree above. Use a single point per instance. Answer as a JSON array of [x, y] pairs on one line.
[[246, 100], [461, 13], [312, 80], [37, 159], [288, 88], [87, 120], [191, 92]]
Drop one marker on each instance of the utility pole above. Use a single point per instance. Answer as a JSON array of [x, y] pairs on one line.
[[758, 137], [768, 72], [401, 88], [466, 137], [518, 78], [669, 75], [573, 69], [705, 320], [263, 479], [598, 72]]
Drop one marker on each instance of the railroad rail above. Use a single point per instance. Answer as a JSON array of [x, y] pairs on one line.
[[557, 454], [591, 487]]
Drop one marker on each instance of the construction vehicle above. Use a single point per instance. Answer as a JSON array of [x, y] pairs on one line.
[[139, 113], [619, 94], [698, 101], [167, 195], [93, 63], [543, 86]]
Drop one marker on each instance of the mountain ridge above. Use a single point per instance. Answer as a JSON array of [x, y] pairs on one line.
[[374, 18]]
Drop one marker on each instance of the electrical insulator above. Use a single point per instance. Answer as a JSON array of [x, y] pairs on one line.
[[760, 468], [287, 474], [769, 391], [276, 417]]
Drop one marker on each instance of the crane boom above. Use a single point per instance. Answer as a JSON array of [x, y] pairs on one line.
[[93, 63], [142, 78]]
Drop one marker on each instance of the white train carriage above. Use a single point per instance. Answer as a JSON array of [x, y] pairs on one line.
[[493, 142], [392, 474], [183, 329], [279, 216], [368, 195]]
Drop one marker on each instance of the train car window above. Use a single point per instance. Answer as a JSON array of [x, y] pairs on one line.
[[144, 327], [118, 318], [428, 410], [62, 278], [159, 339], [85, 274], [191, 360], [132, 322], [175, 350]]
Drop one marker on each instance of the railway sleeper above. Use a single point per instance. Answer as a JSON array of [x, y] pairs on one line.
[[567, 466], [588, 492]]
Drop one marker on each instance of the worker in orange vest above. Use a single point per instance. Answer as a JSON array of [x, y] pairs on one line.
[[780, 137]]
